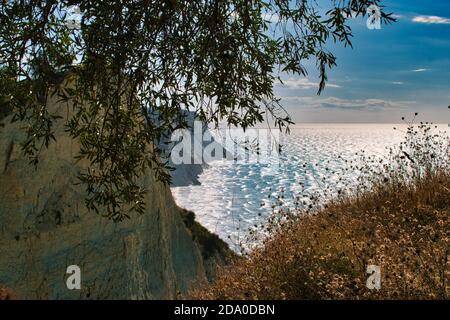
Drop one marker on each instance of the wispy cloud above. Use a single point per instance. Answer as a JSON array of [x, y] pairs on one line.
[[420, 70], [398, 83], [431, 20], [347, 104], [303, 83]]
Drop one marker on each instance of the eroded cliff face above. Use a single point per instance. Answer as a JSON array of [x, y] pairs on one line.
[[45, 227]]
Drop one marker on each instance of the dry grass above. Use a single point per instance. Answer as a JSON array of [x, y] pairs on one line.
[[403, 230], [400, 224]]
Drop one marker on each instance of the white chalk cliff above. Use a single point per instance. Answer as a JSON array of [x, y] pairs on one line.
[[45, 227]]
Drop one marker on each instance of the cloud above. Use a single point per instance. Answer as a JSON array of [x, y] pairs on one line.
[[397, 16], [420, 70], [399, 83], [431, 20], [303, 83], [346, 104]]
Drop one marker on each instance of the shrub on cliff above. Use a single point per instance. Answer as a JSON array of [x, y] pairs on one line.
[[7, 294]]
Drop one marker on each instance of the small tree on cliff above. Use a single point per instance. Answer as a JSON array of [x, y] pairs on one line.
[[139, 64]]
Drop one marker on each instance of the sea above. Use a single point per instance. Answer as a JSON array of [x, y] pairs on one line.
[[235, 194]]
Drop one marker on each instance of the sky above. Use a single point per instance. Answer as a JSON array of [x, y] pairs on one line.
[[396, 71]]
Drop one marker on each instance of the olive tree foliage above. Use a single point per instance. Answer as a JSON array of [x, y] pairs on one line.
[[129, 70]]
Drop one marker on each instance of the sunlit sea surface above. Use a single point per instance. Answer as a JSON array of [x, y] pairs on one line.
[[235, 195]]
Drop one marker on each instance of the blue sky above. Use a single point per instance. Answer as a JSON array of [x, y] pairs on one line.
[[393, 72]]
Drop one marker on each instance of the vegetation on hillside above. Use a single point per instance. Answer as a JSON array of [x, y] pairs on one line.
[[210, 244]]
